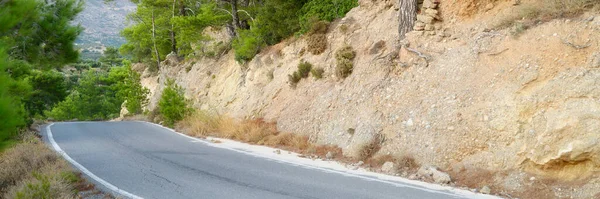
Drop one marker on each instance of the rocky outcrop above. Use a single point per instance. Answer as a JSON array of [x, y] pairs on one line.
[[475, 99]]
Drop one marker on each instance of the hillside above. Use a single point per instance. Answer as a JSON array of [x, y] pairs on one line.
[[102, 23], [493, 100]]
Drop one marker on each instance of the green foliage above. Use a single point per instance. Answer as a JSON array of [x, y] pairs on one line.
[[99, 95], [111, 57], [294, 78], [304, 69], [11, 109], [247, 45], [327, 10], [44, 37], [49, 88], [173, 106], [189, 28], [345, 61], [317, 72]]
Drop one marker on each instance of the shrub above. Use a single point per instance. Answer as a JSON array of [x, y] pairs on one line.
[[345, 61], [294, 78], [247, 45], [316, 43], [173, 106], [304, 69], [323, 10], [317, 73]]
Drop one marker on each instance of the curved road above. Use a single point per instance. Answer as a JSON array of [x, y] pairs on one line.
[[144, 160]]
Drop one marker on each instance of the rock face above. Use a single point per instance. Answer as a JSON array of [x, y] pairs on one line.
[[478, 99]]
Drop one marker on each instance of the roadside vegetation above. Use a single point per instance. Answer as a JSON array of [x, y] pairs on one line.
[[30, 169]]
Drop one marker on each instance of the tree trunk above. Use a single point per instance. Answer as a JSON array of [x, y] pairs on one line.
[[407, 15], [173, 41], [154, 41], [234, 14]]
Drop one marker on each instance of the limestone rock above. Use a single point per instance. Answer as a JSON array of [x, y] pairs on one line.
[[429, 172], [425, 19], [329, 155], [388, 167], [485, 190], [431, 12], [430, 4]]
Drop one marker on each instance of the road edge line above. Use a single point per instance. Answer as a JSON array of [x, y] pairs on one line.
[[85, 170], [446, 190]]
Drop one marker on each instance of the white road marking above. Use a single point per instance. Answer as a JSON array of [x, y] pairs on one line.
[[392, 180], [85, 171]]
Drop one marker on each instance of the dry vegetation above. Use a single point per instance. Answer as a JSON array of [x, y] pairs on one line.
[[202, 124], [345, 61], [31, 170], [317, 38], [532, 13]]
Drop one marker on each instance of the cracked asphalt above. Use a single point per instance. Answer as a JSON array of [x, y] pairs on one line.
[[152, 162]]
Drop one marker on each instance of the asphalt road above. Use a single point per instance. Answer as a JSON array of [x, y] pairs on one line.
[[148, 161]]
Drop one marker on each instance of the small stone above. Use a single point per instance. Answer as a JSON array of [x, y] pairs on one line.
[[360, 163], [451, 128], [516, 2], [532, 178], [431, 12], [429, 27], [485, 190], [277, 151], [425, 19], [412, 177], [388, 167], [329, 155], [489, 6], [409, 123], [429, 4]]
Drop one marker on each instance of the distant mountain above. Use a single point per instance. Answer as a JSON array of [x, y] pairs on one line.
[[102, 22]]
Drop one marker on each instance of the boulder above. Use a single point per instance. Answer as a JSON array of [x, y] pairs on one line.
[[429, 172]]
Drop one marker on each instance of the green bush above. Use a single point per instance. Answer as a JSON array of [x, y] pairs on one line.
[[304, 69], [99, 95], [327, 10], [345, 61], [317, 73], [173, 106], [294, 78], [246, 46]]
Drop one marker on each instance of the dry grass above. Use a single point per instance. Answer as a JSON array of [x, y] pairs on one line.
[[369, 149], [260, 132], [316, 43], [31, 170], [533, 13]]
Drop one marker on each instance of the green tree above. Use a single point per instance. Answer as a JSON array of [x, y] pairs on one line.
[[172, 105], [99, 95], [111, 57], [44, 35]]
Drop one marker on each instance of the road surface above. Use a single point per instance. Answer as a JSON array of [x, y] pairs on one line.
[[143, 160]]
